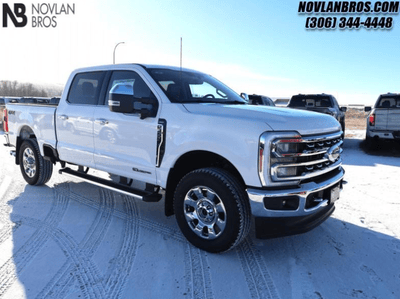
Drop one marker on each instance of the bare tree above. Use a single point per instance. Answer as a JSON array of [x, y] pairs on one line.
[[16, 89]]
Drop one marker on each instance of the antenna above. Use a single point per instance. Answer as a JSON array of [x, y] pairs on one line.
[[180, 73], [181, 54]]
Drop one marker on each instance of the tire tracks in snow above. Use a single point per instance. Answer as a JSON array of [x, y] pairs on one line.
[[8, 227], [122, 267], [60, 285], [79, 270], [19, 261], [86, 274], [197, 273], [258, 279]]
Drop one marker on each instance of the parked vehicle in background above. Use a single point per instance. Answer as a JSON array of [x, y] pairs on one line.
[[218, 160], [323, 103], [255, 99], [383, 122]]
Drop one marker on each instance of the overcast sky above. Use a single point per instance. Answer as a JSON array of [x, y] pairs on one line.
[[254, 47]]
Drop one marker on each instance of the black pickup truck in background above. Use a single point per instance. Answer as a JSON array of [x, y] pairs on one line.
[[323, 103], [255, 99]]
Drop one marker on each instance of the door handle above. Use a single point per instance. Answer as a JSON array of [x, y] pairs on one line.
[[101, 121], [63, 117]]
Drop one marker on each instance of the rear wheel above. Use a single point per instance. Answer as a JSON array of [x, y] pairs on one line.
[[34, 168], [212, 209]]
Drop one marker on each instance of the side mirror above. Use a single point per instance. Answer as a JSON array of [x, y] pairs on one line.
[[245, 96], [367, 108], [343, 109], [146, 107], [124, 103]]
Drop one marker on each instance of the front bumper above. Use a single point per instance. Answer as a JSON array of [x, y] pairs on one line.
[[298, 209]]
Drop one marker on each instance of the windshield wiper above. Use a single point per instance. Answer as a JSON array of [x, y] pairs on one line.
[[234, 102], [199, 101]]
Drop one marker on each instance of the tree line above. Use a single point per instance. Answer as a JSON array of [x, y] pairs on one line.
[[17, 89]]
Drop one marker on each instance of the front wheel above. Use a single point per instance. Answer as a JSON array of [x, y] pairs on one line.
[[212, 209], [34, 168]]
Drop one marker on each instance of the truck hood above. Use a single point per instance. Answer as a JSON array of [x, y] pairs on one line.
[[278, 119]]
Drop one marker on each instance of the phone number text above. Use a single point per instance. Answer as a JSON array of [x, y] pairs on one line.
[[349, 23]]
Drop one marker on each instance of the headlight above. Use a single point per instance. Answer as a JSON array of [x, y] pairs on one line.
[[286, 147]]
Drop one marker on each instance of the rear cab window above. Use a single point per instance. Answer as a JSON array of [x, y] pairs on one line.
[[85, 88], [311, 101], [387, 102]]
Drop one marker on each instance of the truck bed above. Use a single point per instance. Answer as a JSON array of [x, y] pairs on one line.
[[37, 115]]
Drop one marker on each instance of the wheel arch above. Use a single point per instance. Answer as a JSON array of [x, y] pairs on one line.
[[191, 161]]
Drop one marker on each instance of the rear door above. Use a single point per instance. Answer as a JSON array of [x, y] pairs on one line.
[[125, 144], [75, 119]]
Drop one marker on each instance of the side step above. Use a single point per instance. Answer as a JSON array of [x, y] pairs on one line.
[[139, 194]]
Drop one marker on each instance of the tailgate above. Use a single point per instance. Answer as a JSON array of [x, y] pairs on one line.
[[393, 122], [381, 119]]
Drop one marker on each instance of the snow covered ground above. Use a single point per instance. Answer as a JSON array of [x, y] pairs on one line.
[[69, 239]]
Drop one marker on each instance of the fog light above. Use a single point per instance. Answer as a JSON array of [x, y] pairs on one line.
[[288, 203], [286, 171]]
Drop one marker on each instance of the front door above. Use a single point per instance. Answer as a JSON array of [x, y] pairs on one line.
[[124, 144]]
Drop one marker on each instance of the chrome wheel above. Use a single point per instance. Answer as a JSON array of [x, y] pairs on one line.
[[204, 212], [29, 162]]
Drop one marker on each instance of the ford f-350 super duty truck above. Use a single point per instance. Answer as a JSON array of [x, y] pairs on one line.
[[214, 159]]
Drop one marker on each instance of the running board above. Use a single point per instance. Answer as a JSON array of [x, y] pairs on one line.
[[139, 194]]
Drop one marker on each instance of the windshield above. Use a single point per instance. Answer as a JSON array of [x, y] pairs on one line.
[[310, 101], [193, 87]]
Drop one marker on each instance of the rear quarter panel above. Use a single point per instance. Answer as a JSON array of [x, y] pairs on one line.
[[38, 119]]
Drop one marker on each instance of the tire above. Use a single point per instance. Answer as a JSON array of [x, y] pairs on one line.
[[343, 128], [34, 168], [212, 209]]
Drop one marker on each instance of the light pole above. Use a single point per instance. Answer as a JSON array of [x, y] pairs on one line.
[[115, 49]]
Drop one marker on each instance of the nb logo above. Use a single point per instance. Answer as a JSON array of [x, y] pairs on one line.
[[17, 16]]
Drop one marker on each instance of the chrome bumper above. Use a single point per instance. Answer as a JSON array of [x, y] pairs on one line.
[[257, 197]]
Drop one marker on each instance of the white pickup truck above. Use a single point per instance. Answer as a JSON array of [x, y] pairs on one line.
[[383, 122], [216, 160]]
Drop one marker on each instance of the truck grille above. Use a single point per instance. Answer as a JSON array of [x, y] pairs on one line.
[[302, 158]]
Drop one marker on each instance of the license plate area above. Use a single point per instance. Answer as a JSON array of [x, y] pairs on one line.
[[334, 194]]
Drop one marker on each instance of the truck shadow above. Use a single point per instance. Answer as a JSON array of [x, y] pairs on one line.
[[77, 240], [356, 153]]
